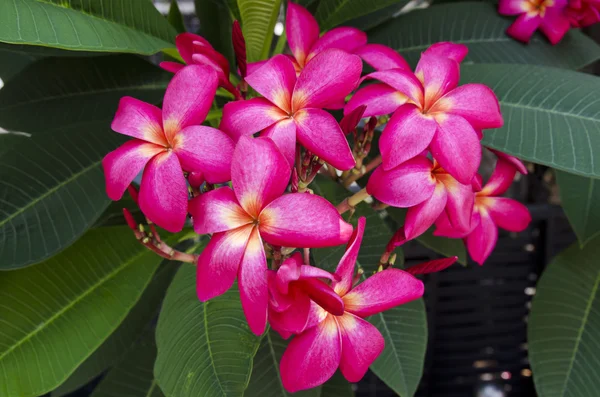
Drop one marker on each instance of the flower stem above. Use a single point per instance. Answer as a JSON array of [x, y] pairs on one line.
[[356, 174], [350, 202]]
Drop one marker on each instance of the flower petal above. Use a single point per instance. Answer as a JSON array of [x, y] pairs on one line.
[[523, 27], [403, 81], [438, 75], [408, 133], [259, 173], [185, 45], [320, 133], [163, 192], [456, 147], [123, 164], [302, 31], [501, 179], [382, 291], [283, 133], [303, 220], [139, 120], [205, 149], [450, 50], [379, 99], [329, 77], [362, 343], [555, 24], [275, 81], [312, 357], [512, 7], [482, 240], [252, 278], [293, 319], [188, 98], [445, 229], [434, 266], [518, 164], [323, 295], [404, 186], [342, 38], [420, 217], [476, 103], [242, 118], [172, 67], [382, 57], [219, 262], [217, 211], [507, 213], [345, 269], [252, 67], [459, 206]]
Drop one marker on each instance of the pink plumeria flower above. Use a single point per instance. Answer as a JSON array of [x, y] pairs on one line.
[[547, 15], [583, 13], [346, 341], [196, 50], [433, 112], [256, 210], [427, 190], [167, 143], [293, 288], [491, 211], [291, 109]]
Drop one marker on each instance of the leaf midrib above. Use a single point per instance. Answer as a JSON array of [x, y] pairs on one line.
[[209, 349], [563, 114], [275, 363], [387, 331]]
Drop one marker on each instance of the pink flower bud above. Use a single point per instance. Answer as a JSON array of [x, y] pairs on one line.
[[239, 47], [351, 120], [133, 192], [129, 219]]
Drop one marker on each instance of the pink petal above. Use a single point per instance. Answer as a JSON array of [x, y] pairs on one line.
[[352, 118], [254, 66], [205, 149], [342, 38], [122, 165], [523, 28], [501, 179], [289, 271], [438, 74], [312, 357], [397, 240], [188, 98], [303, 220], [507, 213], [423, 215], [477, 183], [219, 262], [320, 133], [408, 133], [329, 77], [323, 295], [185, 45], [434, 266], [172, 67], [294, 318], [362, 343], [459, 206], [382, 57], [275, 81], [283, 133], [345, 269], [554, 24], [445, 229], [217, 211], [403, 81], [450, 50], [210, 57], [316, 315], [512, 7], [379, 99], [404, 186], [163, 192], [482, 240], [242, 118], [259, 173], [302, 31], [252, 278], [382, 291], [456, 147], [518, 164], [476, 103], [139, 120]]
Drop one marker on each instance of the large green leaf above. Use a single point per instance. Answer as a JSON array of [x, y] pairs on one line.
[[175, 18], [564, 325], [216, 18], [58, 313], [331, 13], [551, 116], [86, 25], [258, 22], [13, 60], [479, 26], [337, 386], [204, 348], [369, 21], [580, 198], [118, 343]]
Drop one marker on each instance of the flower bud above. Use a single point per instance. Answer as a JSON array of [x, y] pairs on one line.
[[351, 120], [239, 47]]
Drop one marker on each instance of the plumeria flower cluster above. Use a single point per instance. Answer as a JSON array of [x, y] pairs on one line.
[[553, 18], [246, 183]]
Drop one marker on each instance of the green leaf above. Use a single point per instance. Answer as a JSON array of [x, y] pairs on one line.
[[175, 18], [580, 198], [258, 22], [14, 59], [132, 377], [482, 29], [563, 329], [58, 313], [204, 348], [113, 216], [551, 116], [376, 18], [215, 25], [116, 346], [86, 25], [337, 386], [331, 13]]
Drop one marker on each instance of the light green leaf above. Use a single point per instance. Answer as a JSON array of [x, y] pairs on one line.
[[564, 325], [551, 116], [86, 25], [479, 26], [175, 18], [580, 198], [258, 22], [331, 13], [204, 348], [58, 313]]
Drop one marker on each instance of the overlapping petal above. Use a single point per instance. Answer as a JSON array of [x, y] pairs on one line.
[[507, 213], [242, 118], [434, 266], [459, 206], [252, 279], [343, 38], [362, 343], [382, 57], [404, 81], [140, 120], [554, 24], [302, 31], [379, 99], [345, 268], [283, 133], [523, 28], [447, 49], [420, 217], [476, 103], [217, 211], [275, 81], [438, 75], [482, 240]]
